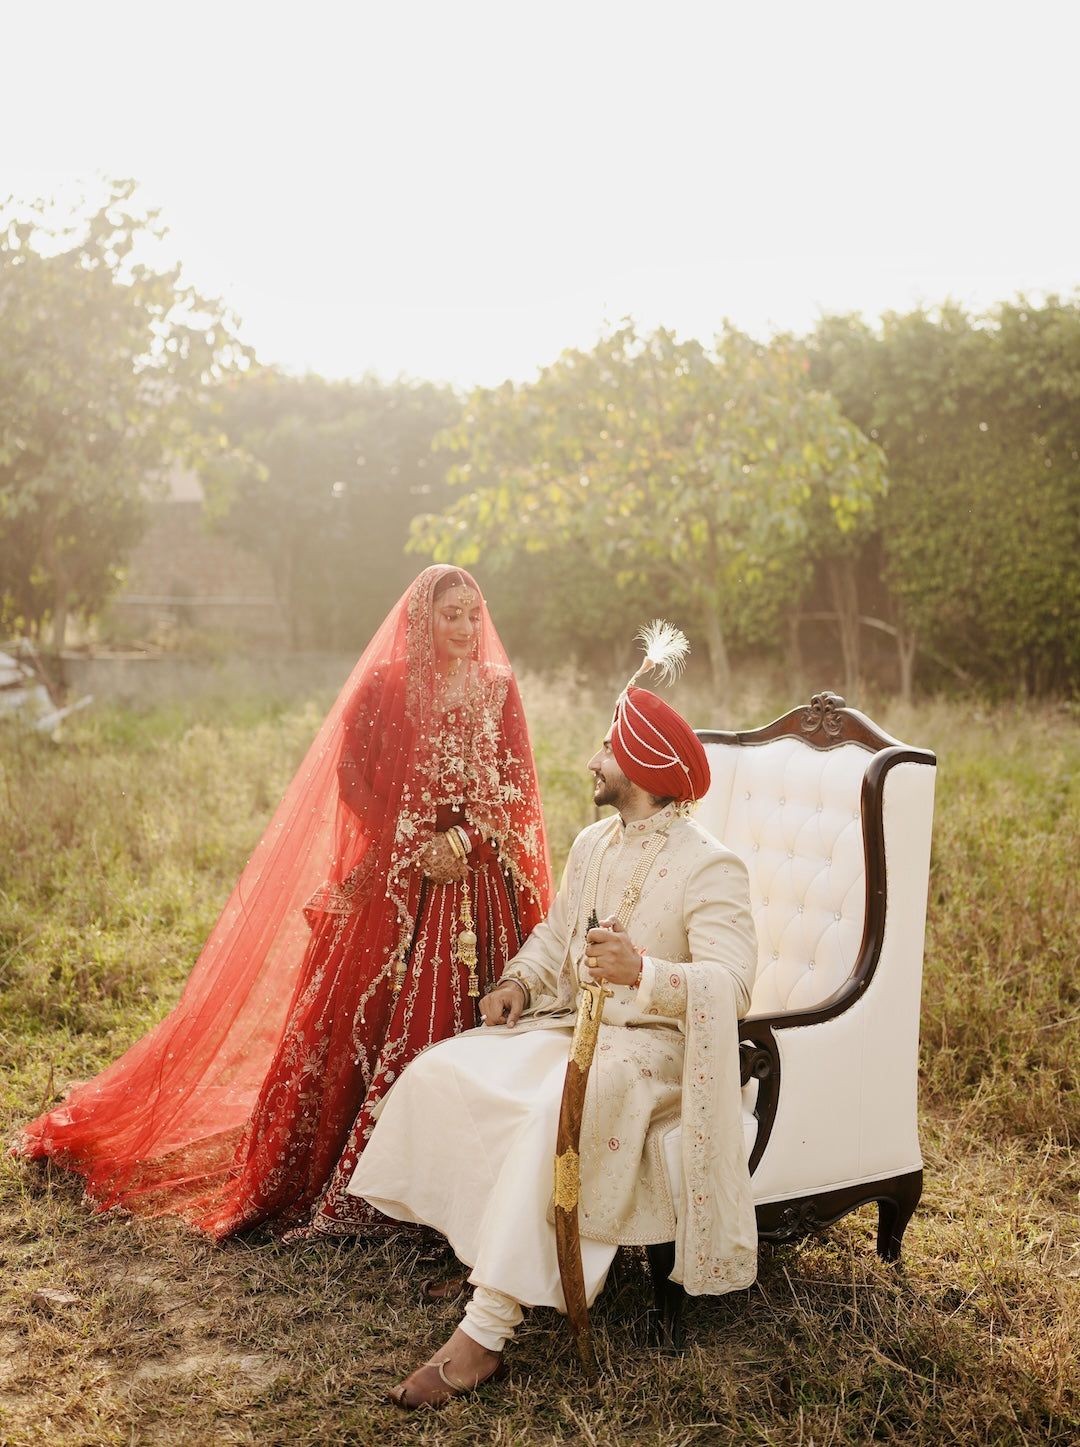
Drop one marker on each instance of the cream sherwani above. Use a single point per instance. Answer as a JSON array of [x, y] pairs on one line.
[[465, 1140]]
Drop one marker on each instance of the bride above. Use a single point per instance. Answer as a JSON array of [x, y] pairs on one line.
[[405, 864]]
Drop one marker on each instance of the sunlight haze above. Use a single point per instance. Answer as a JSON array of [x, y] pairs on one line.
[[459, 192]]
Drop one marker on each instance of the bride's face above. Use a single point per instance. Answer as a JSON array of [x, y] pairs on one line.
[[457, 625]]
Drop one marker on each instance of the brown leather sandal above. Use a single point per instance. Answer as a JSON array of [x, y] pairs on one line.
[[443, 1288], [429, 1386]]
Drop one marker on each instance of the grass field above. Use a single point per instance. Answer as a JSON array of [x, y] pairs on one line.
[[118, 846]]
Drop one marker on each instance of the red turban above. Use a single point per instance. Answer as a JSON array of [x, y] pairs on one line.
[[657, 749]]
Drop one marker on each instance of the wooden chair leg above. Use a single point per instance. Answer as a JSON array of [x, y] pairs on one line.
[[668, 1295], [894, 1213]]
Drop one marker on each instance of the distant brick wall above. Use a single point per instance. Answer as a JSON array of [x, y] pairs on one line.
[[181, 574], [145, 682]]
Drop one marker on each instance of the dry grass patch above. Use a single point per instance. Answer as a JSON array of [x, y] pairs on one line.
[[170, 1339], [117, 849]]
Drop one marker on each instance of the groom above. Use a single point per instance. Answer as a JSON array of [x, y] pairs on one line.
[[466, 1139]]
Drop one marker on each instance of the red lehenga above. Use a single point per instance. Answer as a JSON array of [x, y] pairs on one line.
[[335, 959]]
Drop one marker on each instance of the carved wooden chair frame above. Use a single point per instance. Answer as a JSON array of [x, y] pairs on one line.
[[825, 723]]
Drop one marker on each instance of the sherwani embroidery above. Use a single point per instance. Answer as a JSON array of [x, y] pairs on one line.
[[680, 1052]]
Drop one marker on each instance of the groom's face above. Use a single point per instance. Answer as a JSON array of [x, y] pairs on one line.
[[610, 784]]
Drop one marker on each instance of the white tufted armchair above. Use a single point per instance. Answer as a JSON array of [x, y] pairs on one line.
[[833, 818]]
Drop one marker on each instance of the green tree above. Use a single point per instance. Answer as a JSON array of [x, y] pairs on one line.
[[980, 532], [556, 609], [104, 363], [708, 472], [322, 480], [1031, 610]]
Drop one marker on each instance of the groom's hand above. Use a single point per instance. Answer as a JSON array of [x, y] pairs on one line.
[[503, 1005], [611, 958]]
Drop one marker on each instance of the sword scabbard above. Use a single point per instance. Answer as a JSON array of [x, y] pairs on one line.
[[568, 1170]]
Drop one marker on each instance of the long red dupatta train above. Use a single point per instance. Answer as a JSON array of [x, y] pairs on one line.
[[236, 1107]]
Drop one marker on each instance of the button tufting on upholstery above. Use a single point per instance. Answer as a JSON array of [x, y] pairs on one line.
[[793, 809], [819, 1136]]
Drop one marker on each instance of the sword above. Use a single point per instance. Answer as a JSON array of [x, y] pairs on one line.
[[567, 1168]]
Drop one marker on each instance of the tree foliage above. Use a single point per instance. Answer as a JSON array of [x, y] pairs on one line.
[[980, 532], [734, 488], [104, 362], [322, 480], [708, 475]]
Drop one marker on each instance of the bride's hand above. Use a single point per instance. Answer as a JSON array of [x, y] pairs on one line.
[[439, 862]]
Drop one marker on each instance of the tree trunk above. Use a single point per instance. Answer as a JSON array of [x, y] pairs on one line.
[[794, 656], [53, 562], [59, 619], [845, 593], [718, 655], [906, 644]]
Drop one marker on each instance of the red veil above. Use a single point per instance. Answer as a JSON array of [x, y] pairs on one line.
[[167, 1127]]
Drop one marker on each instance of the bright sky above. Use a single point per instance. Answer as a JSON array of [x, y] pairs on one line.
[[460, 189]]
